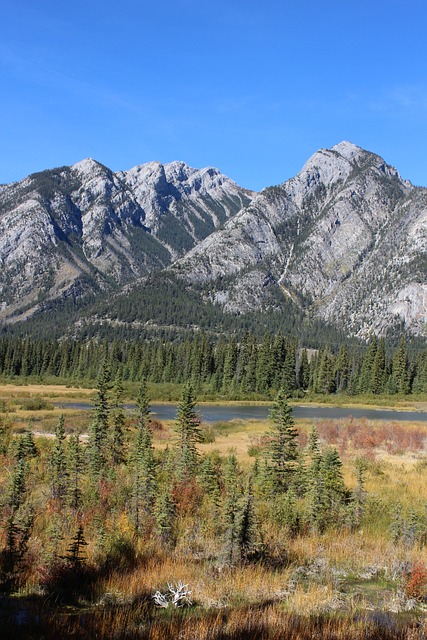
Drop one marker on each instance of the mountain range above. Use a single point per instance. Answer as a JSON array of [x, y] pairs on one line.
[[344, 242]]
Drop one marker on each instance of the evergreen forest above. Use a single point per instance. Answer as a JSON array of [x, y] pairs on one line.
[[249, 368]]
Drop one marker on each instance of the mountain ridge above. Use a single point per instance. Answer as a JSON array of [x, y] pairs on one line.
[[345, 239]]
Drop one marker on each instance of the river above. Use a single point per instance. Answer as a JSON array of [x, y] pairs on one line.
[[219, 413]]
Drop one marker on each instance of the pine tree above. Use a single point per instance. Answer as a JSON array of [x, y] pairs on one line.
[[288, 382], [400, 372], [283, 448], [232, 508], [98, 439], [75, 555], [74, 465], [164, 512], [304, 371], [246, 525], [342, 369], [358, 496], [325, 381], [365, 378], [58, 464], [334, 491], [28, 444], [143, 462], [117, 422], [188, 430], [378, 374]]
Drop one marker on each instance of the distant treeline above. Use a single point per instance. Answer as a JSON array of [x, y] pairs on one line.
[[227, 366]]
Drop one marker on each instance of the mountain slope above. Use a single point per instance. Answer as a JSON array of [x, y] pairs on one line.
[[345, 239], [343, 242], [84, 229]]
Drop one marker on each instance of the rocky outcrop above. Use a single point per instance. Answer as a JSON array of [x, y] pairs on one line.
[[345, 239], [80, 229]]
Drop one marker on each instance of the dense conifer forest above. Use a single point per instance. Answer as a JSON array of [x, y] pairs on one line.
[[233, 368]]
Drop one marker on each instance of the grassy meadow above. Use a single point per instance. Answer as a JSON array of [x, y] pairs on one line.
[[363, 577]]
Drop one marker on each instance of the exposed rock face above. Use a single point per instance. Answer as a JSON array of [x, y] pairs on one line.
[[346, 239], [86, 229]]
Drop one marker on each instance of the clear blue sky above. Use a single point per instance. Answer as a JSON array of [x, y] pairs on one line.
[[252, 87]]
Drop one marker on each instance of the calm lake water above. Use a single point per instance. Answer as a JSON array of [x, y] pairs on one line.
[[213, 413]]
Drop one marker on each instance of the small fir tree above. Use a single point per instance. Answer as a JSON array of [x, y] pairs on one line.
[[188, 430], [283, 448], [58, 463], [143, 461], [74, 466], [98, 438], [232, 509], [117, 416]]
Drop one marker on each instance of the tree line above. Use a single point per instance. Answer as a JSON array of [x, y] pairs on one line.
[[227, 366]]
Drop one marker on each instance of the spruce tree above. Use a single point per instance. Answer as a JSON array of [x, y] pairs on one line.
[[286, 512], [5, 435], [18, 525], [209, 480], [74, 466], [283, 447], [164, 512], [325, 381], [342, 369], [246, 531], [288, 381], [334, 491], [75, 554], [98, 437], [188, 430], [378, 374], [232, 508], [143, 462], [117, 422], [400, 373], [28, 444], [365, 378], [58, 463], [315, 488], [304, 371], [358, 496]]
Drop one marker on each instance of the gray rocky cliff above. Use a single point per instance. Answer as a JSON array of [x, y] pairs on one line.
[[84, 229], [345, 239]]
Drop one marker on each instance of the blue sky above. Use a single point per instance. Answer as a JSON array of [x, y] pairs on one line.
[[251, 87]]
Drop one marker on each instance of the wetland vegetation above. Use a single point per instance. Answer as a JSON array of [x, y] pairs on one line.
[[262, 528]]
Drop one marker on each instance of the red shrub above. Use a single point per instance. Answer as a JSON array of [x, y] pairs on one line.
[[415, 584]]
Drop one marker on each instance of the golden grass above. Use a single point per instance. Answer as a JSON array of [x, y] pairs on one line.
[[43, 390]]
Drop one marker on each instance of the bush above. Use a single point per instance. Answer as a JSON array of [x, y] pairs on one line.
[[415, 584], [37, 404]]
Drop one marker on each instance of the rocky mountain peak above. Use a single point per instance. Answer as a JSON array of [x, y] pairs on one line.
[[345, 239], [348, 150], [88, 166]]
